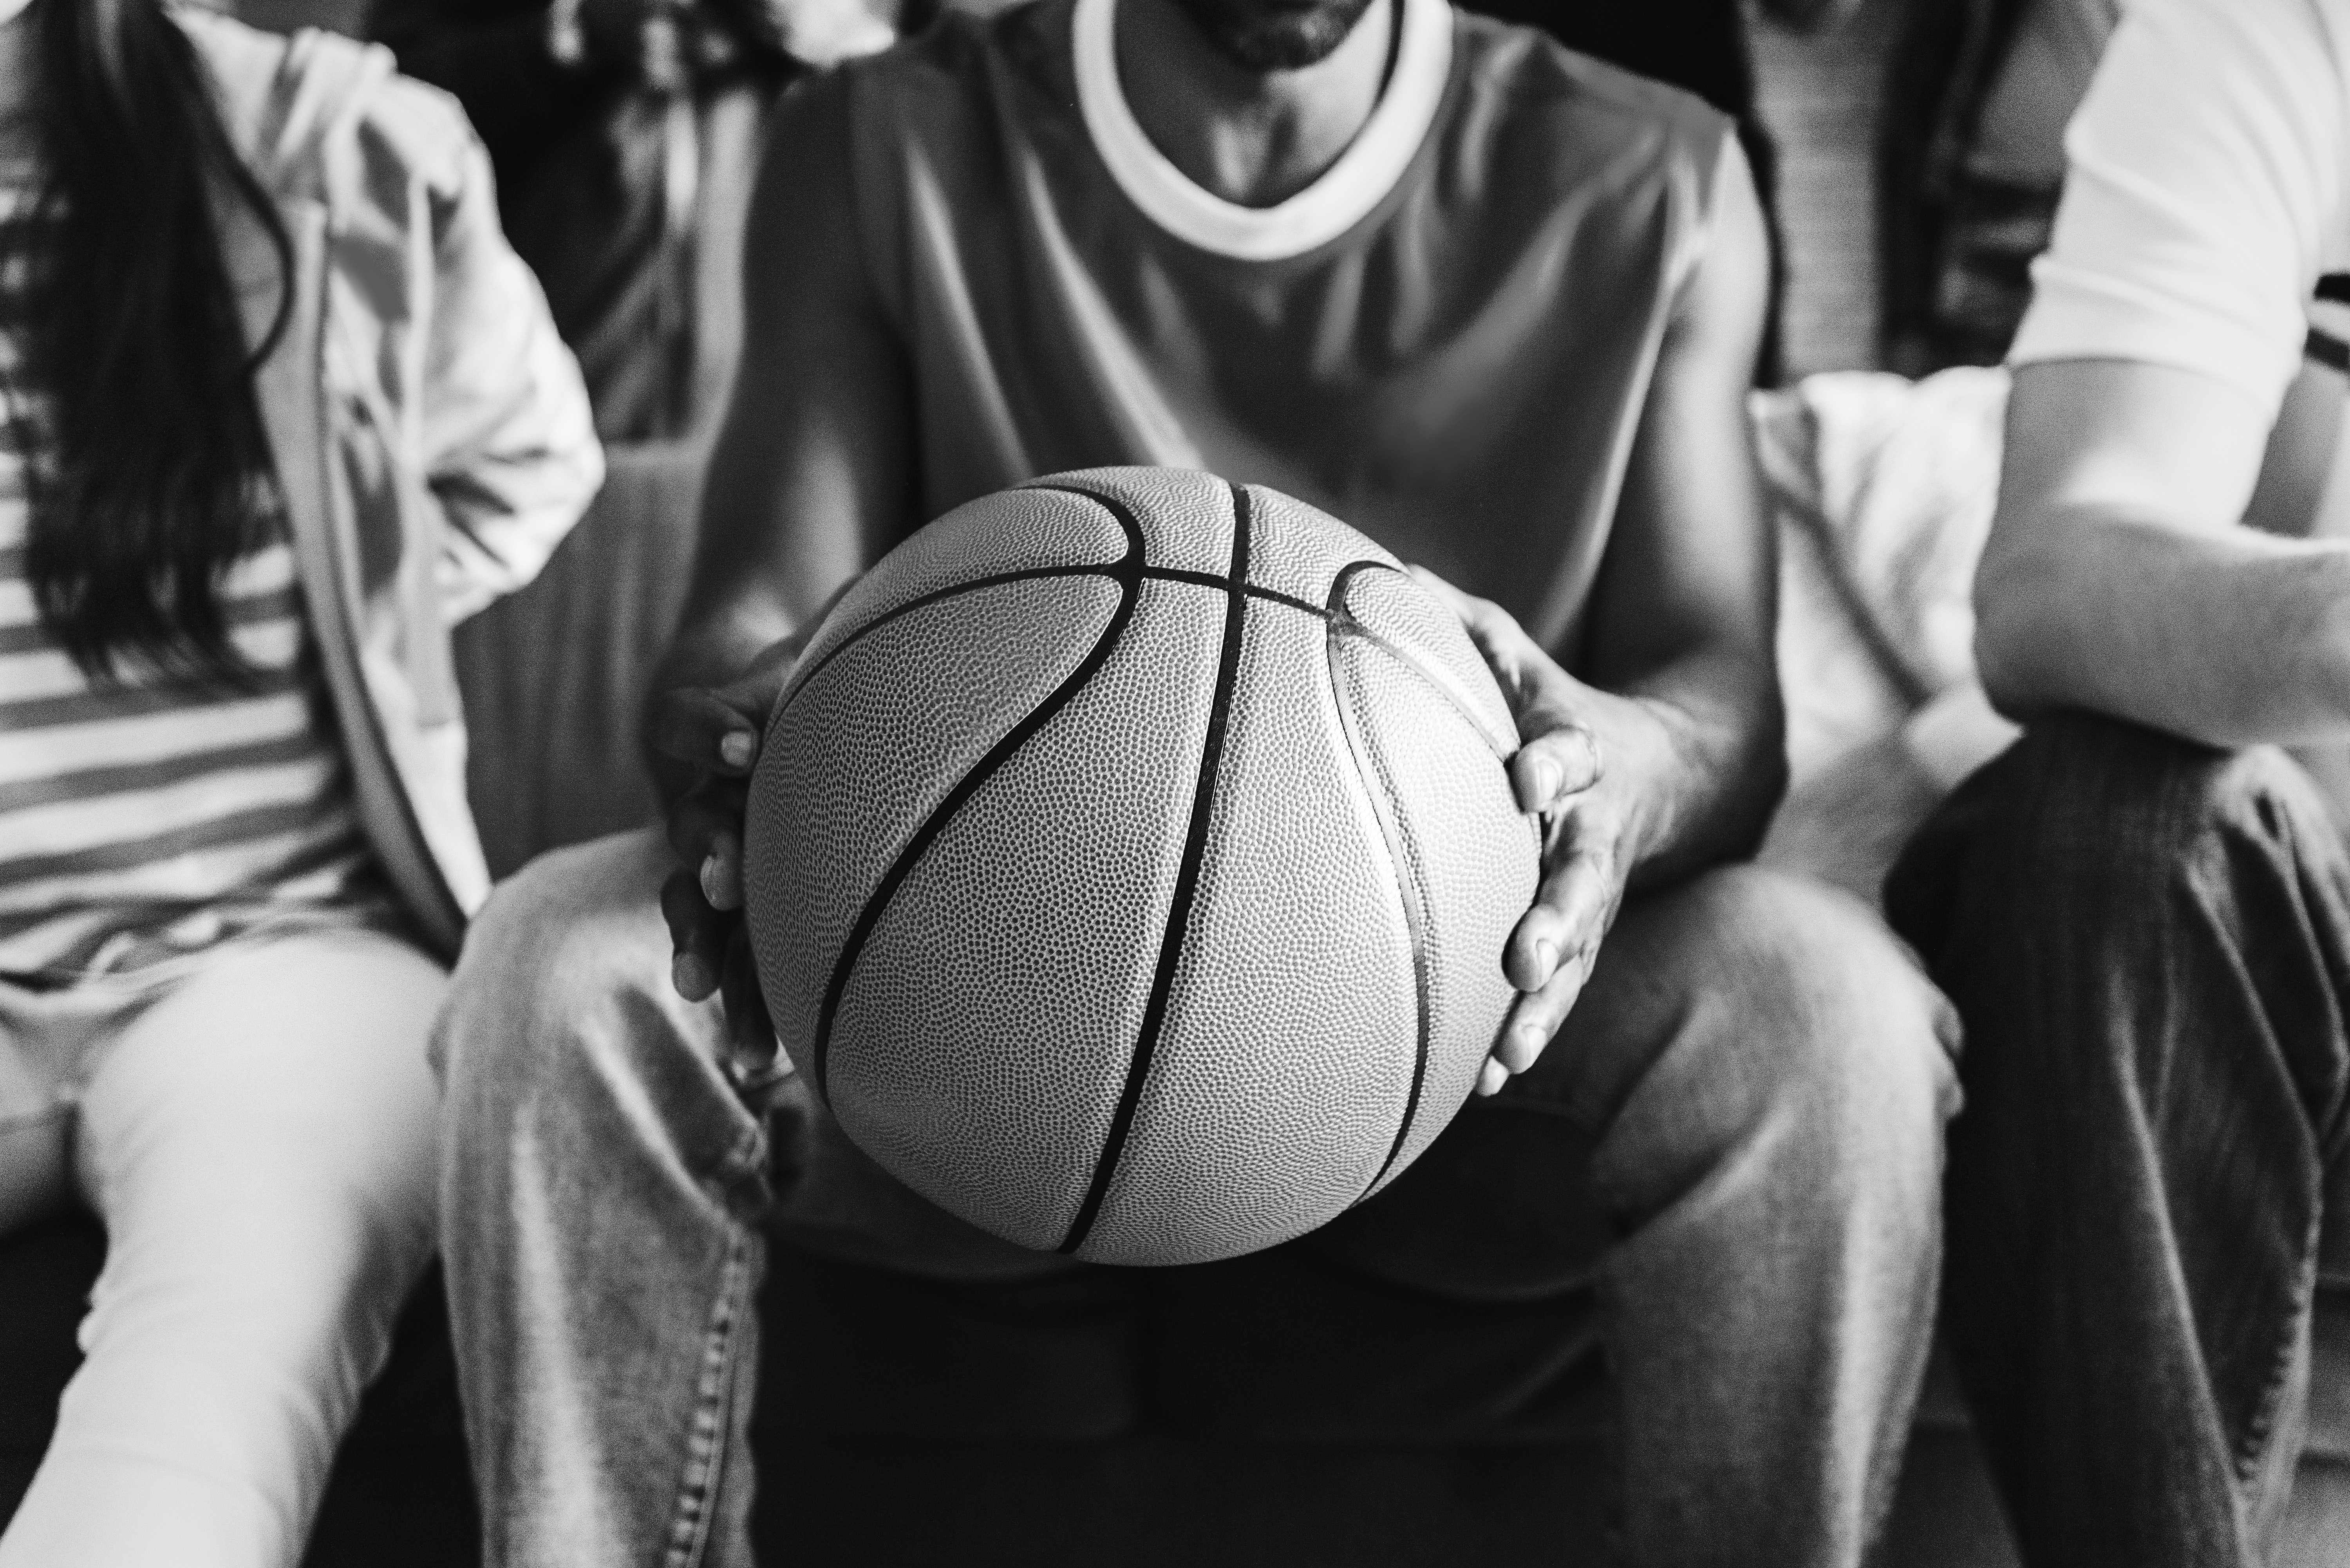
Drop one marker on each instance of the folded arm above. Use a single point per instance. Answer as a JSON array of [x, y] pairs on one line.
[[2118, 578], [2205, 186]]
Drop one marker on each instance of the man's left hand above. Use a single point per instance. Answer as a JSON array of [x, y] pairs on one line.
[[1569, 772]]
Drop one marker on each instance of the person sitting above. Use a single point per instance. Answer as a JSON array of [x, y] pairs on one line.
[[2142, 908], [624, 134], [273, 413], [1493, 303]]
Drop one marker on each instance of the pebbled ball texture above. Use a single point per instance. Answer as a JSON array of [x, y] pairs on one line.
[[1129, 865]]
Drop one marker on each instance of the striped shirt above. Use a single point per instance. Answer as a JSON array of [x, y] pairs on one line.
[[147, 815]]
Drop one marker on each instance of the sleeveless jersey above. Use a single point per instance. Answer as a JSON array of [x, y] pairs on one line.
[[1446, 339]]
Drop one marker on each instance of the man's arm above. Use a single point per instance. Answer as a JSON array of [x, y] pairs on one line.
[[812, 479], [2118, 579], [812, 476], [1684, 612], [2205, 179], [1666, 756]]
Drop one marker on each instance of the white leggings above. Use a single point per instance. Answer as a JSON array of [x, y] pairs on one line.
[[258, 1140]]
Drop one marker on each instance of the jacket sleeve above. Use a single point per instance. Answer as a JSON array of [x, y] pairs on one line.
[[498, 414]]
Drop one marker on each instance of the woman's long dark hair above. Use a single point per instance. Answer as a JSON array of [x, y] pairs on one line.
[[154, 475]]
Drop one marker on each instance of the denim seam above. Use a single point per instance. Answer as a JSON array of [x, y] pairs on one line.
[[706, 1442], [747, 1160], [2253, 1446]]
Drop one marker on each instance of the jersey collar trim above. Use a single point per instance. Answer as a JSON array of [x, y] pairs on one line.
[[1342, 197]]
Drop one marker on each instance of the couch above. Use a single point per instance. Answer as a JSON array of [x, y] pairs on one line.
[[1215, 1414]]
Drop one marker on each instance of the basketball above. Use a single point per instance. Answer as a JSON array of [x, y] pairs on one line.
[[1129, 863]]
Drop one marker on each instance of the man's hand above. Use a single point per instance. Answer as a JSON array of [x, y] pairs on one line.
[[1570, 772], [715, 733]]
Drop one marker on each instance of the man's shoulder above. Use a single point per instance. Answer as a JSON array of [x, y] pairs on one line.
[[1522, 84]]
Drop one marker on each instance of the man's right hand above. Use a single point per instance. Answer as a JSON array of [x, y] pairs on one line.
[[715, 732]]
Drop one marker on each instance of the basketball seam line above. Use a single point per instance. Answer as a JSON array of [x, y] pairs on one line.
[[1339, 618], [1210, 580], [1415, 918], [800, 682], [969, 785], [1444, 688], [1187, 880]]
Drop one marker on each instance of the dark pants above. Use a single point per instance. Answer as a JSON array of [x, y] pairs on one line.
[[2149, 944]]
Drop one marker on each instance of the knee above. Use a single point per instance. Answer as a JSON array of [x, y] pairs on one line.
[[566, 1057], [2093, 841], [1830, 1034], [282, 1306], [2112, 811], [555, 968]]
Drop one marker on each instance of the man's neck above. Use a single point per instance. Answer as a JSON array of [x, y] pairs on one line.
[[1254, 138]]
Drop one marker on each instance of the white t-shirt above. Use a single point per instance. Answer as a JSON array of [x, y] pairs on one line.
[[2205, 195]]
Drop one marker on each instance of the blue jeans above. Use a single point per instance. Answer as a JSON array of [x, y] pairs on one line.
[[1757, 1075], [2149, 942]]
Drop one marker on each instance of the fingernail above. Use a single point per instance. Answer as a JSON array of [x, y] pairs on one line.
[[721, 883], [1546, 957], [736, 748], [1491, 1077], [1532, 1036], [1547, 778], [692, 977]]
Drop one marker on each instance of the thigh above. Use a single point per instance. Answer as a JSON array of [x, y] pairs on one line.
[[270, 1118], [1711, 1002], [566, 1054], [1716, 996]]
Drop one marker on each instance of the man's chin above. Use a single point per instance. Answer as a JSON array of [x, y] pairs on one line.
[[1265, 38]]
